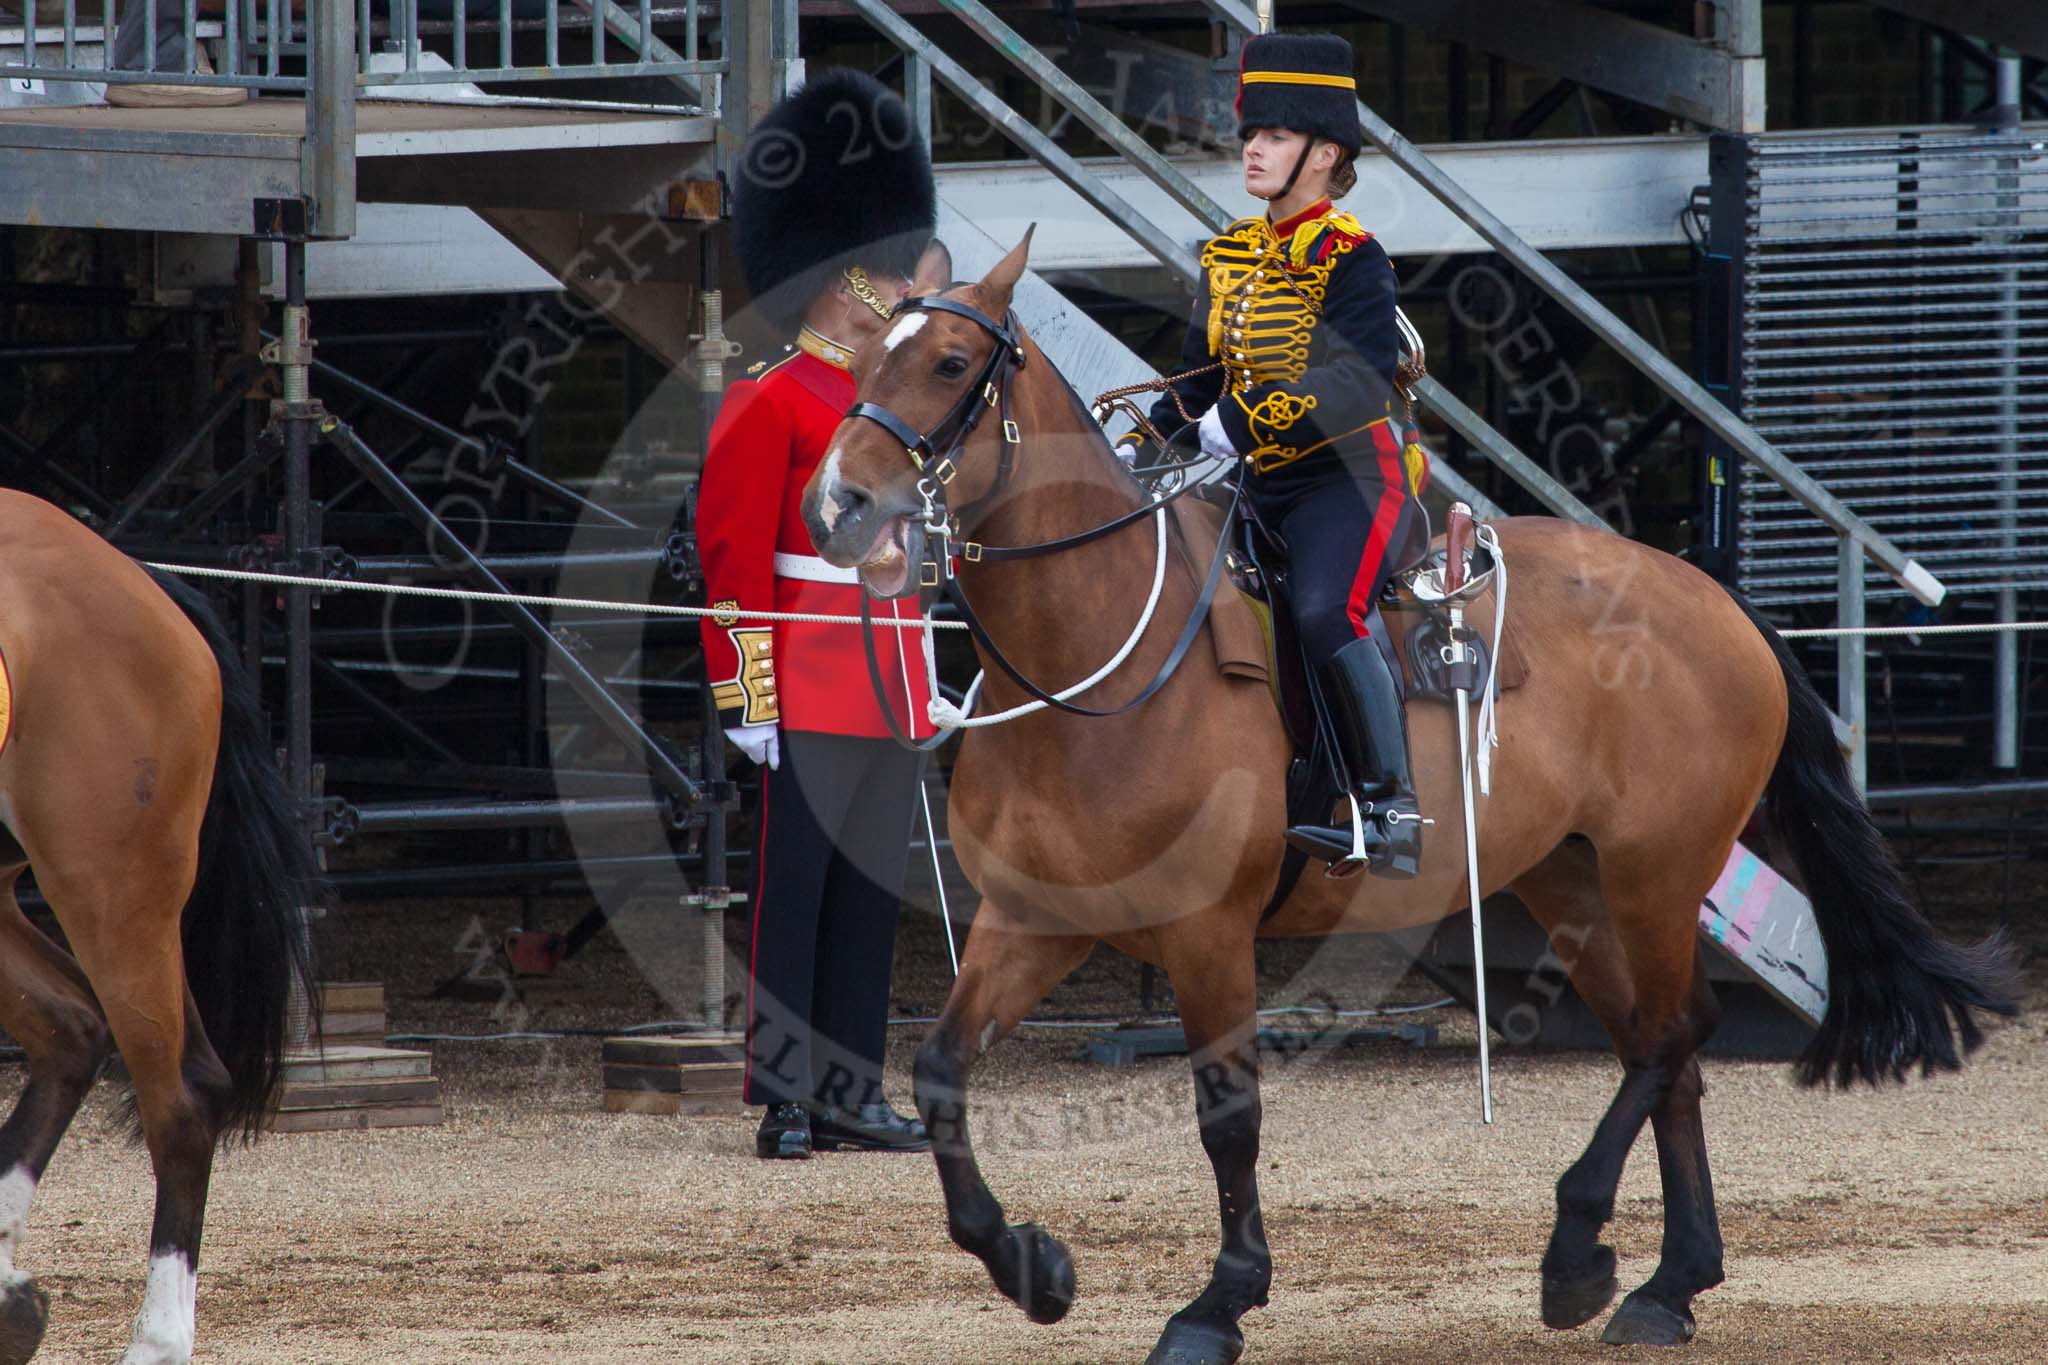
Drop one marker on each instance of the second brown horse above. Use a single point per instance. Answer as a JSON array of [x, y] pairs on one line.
[[1658, 712]]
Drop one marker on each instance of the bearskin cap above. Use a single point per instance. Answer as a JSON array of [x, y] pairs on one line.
[[834, 176], [1302, 81]]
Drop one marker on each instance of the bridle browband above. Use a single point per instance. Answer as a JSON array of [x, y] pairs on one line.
[[935, 454]]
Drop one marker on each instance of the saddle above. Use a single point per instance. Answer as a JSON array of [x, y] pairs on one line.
[[1252, 630]]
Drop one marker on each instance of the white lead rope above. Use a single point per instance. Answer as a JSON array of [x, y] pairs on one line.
[[946, 716]]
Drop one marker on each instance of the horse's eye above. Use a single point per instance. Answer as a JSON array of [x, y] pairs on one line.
[[952, 367]]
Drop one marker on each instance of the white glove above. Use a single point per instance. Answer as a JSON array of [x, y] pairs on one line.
[[762, 743], [1128, 453], [1215, 440]]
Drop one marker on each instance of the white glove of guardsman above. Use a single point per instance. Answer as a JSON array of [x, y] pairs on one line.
[[762, 743], [1215, 440]]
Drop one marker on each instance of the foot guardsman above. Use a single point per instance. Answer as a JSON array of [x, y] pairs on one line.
[[833, 205], [1297, 305]]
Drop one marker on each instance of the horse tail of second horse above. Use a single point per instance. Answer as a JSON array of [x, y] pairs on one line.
[[1899, 996], [247, 957]]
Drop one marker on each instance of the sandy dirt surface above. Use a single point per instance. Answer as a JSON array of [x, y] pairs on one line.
[[1905, 1226]]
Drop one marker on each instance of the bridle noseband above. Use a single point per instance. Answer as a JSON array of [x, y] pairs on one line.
[[935, 453]]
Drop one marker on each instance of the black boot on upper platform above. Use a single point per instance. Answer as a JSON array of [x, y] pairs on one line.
[[1372, 730]]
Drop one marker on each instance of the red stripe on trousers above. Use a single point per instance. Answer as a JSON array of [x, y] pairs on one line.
[[1393, 495], [754, 937]]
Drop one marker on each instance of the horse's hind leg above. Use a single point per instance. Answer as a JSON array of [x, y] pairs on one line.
[[1625, 930], [124, 909], [1211, 966], [46, 1007], [1003, 973]]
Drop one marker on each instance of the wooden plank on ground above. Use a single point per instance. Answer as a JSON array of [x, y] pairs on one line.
[[703, 1078], [395, 1091], [643, 1051], [343, 996], [340, 1064], [352, 1119], [657, 1103]]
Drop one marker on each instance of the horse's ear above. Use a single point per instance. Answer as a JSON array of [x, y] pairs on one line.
[[999, 283], [934, 270]]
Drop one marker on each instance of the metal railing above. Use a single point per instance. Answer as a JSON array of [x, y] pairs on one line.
[[265, 45]]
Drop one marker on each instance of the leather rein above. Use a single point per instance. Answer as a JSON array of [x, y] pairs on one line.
[[935, 454]]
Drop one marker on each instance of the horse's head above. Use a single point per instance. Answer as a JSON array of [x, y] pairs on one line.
[[919, 377]]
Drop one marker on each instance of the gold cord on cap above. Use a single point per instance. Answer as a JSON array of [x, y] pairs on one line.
[[863, 289]]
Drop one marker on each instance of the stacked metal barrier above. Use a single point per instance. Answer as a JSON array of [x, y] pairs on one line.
[[1891, 335]]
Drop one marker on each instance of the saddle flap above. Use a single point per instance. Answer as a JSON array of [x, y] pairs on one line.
[[1240, 628]]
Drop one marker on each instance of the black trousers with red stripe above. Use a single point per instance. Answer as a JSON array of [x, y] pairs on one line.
[[1346, 520], [835, 819]]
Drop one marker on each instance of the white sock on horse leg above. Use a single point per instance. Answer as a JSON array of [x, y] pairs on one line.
[[17, 1192], [164, 1328]]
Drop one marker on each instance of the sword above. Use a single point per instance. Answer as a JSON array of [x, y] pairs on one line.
[[1265, 16], [1457, 540]]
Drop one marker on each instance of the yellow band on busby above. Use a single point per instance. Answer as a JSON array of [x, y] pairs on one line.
[[1298, 78]]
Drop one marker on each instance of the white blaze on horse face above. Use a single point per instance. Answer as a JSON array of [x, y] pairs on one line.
[[164, 1328], [907, 326], [17, 1192], [828, 490]]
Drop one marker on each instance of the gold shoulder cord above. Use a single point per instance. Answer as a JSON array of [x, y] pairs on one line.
[[863, 289]]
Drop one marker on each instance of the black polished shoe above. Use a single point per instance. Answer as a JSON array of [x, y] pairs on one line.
[[870, 1128], [785, 1133]]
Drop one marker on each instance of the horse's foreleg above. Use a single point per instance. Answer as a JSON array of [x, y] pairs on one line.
[[1214, 980], [1004, 972], [46, 1006]]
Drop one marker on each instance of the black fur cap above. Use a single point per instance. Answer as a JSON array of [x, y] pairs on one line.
[[1325, 111], [834, 176]]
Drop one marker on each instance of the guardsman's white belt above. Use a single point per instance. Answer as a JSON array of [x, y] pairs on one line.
[[812, 569]]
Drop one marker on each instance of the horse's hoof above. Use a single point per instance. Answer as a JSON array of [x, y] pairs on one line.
[[24, 1313], [1036, 1272], [1577, 1301], [1642, 1321], [1197, 1341]]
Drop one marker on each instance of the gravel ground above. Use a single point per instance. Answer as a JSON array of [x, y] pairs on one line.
[[1904, 1226]]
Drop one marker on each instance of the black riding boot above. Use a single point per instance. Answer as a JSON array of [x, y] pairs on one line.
[[1372, 730]]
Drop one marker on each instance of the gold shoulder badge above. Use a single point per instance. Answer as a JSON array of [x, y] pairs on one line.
[[728, 612], [756, 368]]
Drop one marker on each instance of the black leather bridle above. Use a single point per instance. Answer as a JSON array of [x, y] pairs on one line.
[[936, 455]]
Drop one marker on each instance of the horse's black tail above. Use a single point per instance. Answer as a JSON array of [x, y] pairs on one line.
[[247, 955], [1898, 995]]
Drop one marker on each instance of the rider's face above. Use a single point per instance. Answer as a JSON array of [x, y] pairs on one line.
[[1269, 157]]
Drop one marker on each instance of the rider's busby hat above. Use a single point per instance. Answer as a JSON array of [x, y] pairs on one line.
[[1302, 81], [834, 176]]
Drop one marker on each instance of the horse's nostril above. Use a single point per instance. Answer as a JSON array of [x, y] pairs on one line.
[[854, 501]]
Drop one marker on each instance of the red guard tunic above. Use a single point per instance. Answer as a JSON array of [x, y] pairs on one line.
[[770, 435]]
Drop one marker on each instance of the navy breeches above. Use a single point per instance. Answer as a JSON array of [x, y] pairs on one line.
[[1345, 528]]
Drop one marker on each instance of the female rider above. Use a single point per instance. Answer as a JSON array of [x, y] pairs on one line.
[[1297, 306]]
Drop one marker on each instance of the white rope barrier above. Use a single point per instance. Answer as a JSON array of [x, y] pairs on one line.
[[897, 623], [1834, 632], [535, 600]]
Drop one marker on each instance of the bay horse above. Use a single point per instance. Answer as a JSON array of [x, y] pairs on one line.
[[1657, 712], [138, 780]]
